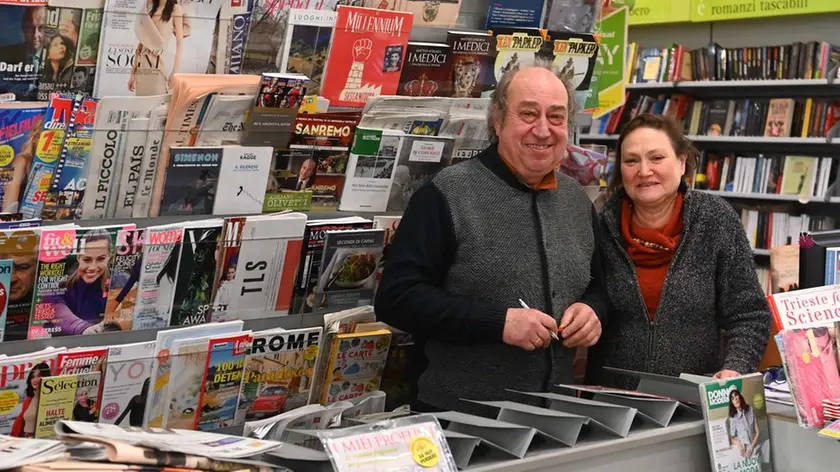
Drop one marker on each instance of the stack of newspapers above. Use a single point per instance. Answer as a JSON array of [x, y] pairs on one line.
[[85, 446]]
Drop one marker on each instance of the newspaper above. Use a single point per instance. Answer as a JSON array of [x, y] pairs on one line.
[[198, 443], [17, 452]]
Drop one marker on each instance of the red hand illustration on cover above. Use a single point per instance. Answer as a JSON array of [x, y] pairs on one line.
[[368, 49]]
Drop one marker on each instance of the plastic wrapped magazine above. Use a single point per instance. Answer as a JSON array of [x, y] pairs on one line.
[[415, 443]]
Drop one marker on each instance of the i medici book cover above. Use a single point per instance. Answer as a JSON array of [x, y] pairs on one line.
[[426, 71], [367, 54]]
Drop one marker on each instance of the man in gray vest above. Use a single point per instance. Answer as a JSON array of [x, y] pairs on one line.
[[486, 236]]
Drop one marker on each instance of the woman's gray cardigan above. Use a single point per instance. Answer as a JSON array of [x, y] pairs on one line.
[[711, 286]]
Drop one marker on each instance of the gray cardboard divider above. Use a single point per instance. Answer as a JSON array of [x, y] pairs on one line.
[[683, 390], [511, 438], [462, 447], [615, 419], [657, 411], [557, 426]]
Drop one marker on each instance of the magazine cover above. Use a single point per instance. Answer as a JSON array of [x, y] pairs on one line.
[[21, 125], [191, 181], [366, 56], [21, 247], [159, 270], [20, 378], [5, 285], [63, 199], [311, 174], [307, 45], [356, 364], [265, 40], [71, 47], [39, 172], [145, 42], [348, 269], [312, 254], [72, 282], [278, 373], [193, 300], [259, 271], [157, 402], [21, 43], [736, 424], [125, 275], [67, 397], [126, 384], [188, 364], [222, 381]]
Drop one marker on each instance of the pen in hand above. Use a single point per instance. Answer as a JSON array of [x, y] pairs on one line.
[[525, 306]]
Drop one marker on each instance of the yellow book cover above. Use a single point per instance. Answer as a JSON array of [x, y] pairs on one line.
[[67, 397], [798, 175], [356, 364]]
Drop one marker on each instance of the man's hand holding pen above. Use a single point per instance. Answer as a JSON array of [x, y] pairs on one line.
[[532, 329]]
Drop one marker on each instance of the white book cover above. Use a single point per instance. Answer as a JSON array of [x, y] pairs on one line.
[[135, 152], [148, 171], [269, 252], [224, 123], [143, 43], [370, 169], [112, 116], [156, 286], [156, 409], [127, 377], [242, 176]]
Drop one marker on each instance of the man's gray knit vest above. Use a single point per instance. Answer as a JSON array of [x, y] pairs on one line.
[[504, 236]]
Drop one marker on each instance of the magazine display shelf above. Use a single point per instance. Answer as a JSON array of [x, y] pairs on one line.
[[797, 449], [810, 88]]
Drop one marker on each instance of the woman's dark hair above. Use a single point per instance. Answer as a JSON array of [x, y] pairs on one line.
[[68, 59], [166, 14], [44, 368], [744, 406], [667, 124]]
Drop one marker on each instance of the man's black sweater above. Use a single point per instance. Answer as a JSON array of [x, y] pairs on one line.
[[471, 243]]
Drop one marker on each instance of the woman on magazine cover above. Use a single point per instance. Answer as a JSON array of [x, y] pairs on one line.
[[155, 33], [21, 165], [135, 408], [744, 431], [24, 425], [61, 54], [679, 268], [79, 310]]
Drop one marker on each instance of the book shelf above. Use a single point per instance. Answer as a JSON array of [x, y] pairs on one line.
[[810, 88]]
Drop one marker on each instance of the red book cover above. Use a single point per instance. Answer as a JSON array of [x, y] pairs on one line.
[[367, 54]]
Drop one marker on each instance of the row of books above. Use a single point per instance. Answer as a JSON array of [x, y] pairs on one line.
[[777, 117], [799, 60], [203, 378], [804, 176], [766, 228]]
